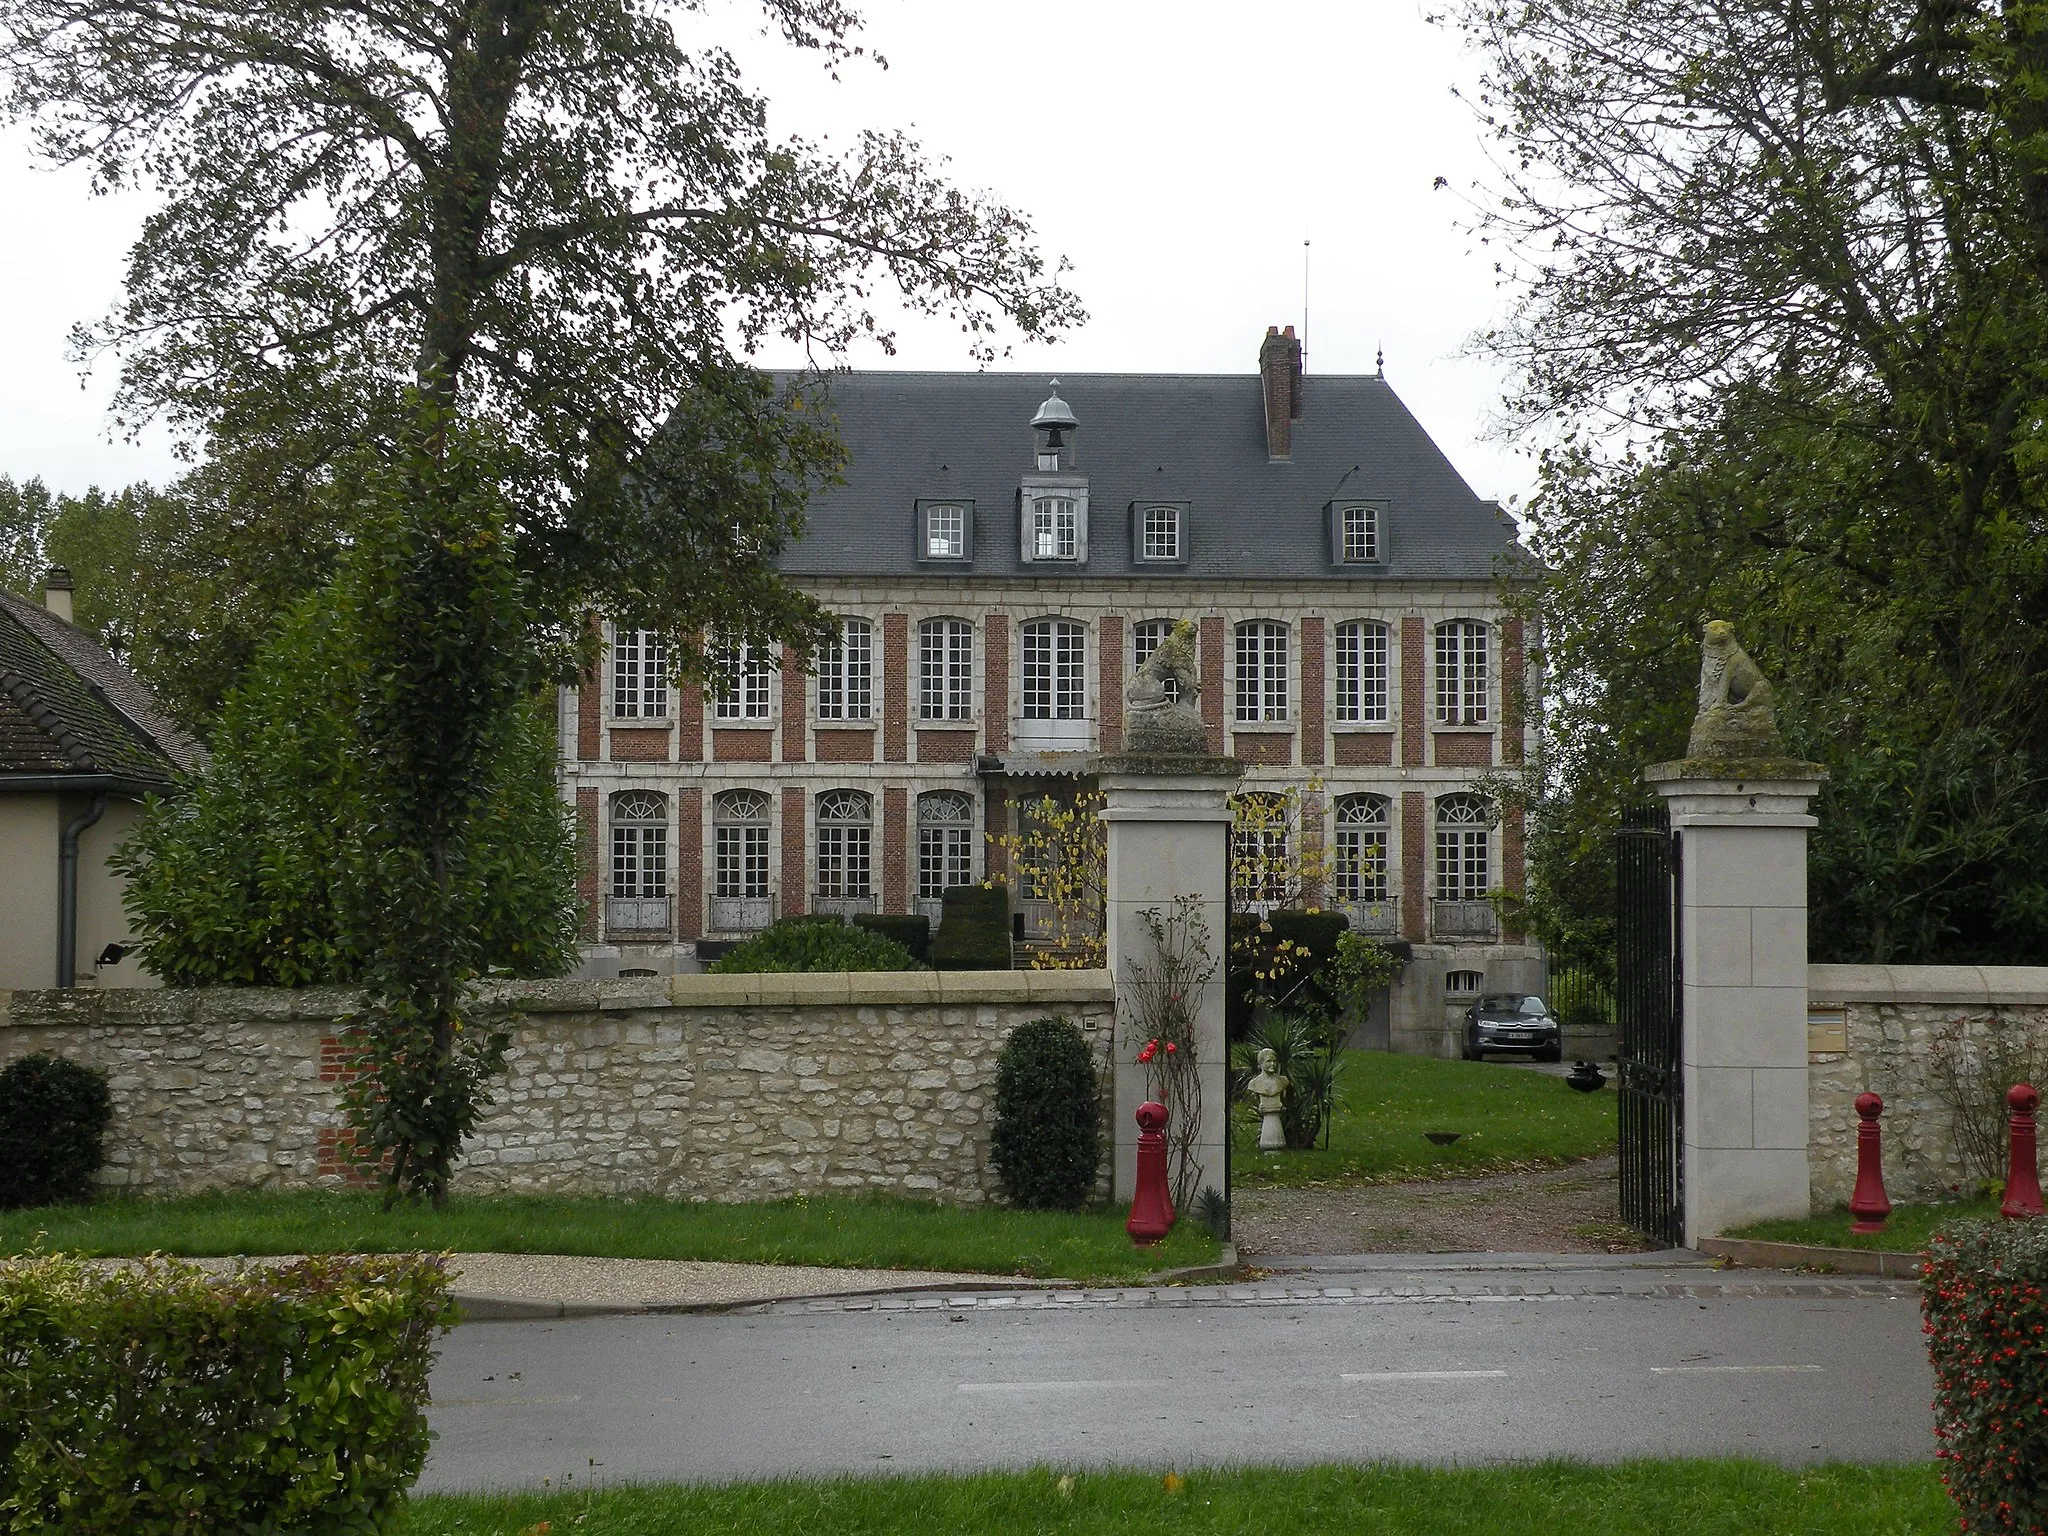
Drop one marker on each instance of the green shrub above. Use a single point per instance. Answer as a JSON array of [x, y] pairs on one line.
[[1047, 1139], [1984, 1293], [53, 1114], [797, 944], [974, 929], [914, 933], [156, 1400], [1292, 949]]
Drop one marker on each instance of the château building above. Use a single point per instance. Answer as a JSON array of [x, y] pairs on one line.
[[1003, 554]]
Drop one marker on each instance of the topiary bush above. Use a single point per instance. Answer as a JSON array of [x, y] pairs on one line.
[[157, 1400], [974, 929], [914, 933], [1047, 1140], [799, 944], [53, 1118], [1984, 1295]]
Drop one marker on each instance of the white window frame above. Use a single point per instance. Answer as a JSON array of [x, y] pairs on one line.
[[1358, 534], [945, 676], [639, 675], [1363, 674], [846, 673], [1262, 672], [945, 842], [1159, 533], [1052, 658], [1463, 672], [639, 848], [740, 845], [953, 518], [846, 831], [1055, 527], [1363, 825], [744, 693], [1464, 848]]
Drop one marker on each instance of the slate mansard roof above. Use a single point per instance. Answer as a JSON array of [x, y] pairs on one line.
[[68, 708], [1198, 439]]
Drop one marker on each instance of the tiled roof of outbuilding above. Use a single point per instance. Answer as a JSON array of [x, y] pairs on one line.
[[1194, 438], [67, 706]]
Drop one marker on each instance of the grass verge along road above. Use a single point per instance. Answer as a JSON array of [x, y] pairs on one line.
[[1089, 1246], [1905, 1231], [1508, 1119], [1671, 1498]]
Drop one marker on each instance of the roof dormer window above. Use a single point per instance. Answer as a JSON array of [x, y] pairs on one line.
[[1052, 503], [1055, 531], [1358, 534], [945, 532]]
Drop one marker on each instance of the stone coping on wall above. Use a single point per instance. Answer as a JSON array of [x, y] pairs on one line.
[[145, 1007], [1984, 986]]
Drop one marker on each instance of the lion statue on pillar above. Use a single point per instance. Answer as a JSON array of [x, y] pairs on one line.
[[1735, 718]]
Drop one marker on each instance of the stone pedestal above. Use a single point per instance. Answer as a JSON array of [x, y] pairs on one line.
[[1742, 953], [1169, 836]]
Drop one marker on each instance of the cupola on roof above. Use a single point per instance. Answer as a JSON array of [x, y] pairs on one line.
[[1055, 415]]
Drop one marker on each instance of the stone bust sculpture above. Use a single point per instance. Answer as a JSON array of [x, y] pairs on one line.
[[1735, 718], [1270, 1089], [1159, 705]]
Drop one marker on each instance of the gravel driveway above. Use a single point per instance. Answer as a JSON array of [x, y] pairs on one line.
[[1575, 1209]]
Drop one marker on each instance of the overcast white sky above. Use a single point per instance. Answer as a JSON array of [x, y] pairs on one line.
[[1176, 153]]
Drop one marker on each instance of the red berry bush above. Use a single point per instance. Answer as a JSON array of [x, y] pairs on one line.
[[1984, 1295]]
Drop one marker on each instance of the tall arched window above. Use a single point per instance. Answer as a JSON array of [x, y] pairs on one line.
[[1261, 847], [739, 861], [1361, 872], [1261, 671], [1461, 672], [846, 673], [1463, 834], [1361, 673], [945, 685], [639, 675], [945, 842], [846, 827], [639, 883]]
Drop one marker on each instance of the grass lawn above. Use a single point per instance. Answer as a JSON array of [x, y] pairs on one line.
[[1670, 1498], [858, 1234], [1906, 1230], [1511, 1118]]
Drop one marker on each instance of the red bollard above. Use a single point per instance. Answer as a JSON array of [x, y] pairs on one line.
[[1869, 1204], [1151, 1206], [2022, 1177]]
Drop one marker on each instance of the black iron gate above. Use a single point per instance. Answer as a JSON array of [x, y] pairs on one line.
[[1647, 1013]]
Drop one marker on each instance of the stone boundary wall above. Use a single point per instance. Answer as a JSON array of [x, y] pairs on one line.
[[688, 1087], [1875, 1027]]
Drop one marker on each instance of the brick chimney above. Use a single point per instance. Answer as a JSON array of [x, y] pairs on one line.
[[57, 592], [1280, 378]]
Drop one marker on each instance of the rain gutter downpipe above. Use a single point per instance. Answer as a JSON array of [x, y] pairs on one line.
[[67, 888]]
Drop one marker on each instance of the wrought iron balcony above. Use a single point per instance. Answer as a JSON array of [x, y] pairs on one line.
[[1464, 920], [740, 914], [637, 914], [842, 906], [1378, 919]]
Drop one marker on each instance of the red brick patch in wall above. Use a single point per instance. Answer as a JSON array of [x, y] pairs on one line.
[[1111, 671], [995, 671], [1365, 749], [895, 688], [1458, 749], [334, 1146], [1312, 692], [1411, 692], [1511, 858], [590, 699], [796, 875], [1514, 684], [945, 746], [795, 703], [742, 746], [1273, 749], [689, 723], [846, 746], [1212, 681], [689, 863], [895, 858], [639, 746], [1414, 866], [586, 860]]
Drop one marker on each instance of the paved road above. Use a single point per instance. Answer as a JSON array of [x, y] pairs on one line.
[[1434, 1365]]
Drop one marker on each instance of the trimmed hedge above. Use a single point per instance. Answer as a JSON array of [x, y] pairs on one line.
[[53, 1118], [806, 944], [1984, 1294], [913, 933], [156, 1400], [974, 929], [1253, 943], [1047, 1139]]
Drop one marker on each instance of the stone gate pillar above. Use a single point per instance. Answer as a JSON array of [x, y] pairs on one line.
[[1169, 835], [1742, 829]]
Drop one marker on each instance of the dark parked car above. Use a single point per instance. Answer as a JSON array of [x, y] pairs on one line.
[[1512, 1021]]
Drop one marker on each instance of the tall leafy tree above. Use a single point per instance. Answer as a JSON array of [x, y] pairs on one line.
[[1780, 340], [517, 248]]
